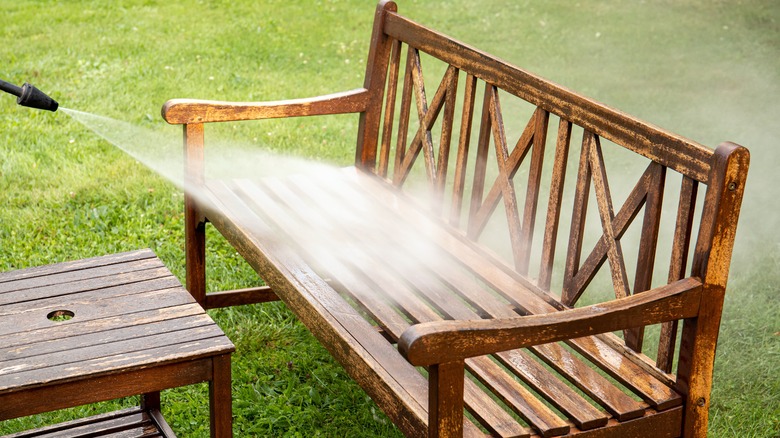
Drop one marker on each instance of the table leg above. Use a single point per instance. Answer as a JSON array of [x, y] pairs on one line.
[[220, 398]]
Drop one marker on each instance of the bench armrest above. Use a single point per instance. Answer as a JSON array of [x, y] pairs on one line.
[[186, 111], [446, 341]]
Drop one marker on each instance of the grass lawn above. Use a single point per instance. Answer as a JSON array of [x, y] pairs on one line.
[[706, 70]]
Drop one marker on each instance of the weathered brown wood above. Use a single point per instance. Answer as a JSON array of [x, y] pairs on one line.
[[190, 111], [523, 258], [461, 310], [711, 261], [131, 423], [374, 82], [647, 247], [452, 340], [229, 298], [387, 124], [220, 398], [133, 330], [88, 263], [678, 263], [558, 178], [445, 399], [480, 164], [464, 140], [194, 221]]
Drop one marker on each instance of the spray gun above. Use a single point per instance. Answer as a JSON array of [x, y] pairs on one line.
[[28, 95]]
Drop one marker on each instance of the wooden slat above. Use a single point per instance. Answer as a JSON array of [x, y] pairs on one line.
[[101, 288], [105, 365], [387, 123], [399, 172], [131, 422], [678, 153], [35, 318], [35, 347], [558, 178], [83, 353], [645, 263], [80, 275], [442, 163], [54, 332], [570, 293], [480, 165], [68, 391], [681, 244], [228, 298], [532, 192], [467, 115], [88, 263]]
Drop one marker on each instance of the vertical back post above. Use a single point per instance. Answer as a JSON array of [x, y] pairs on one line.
[[376, 76], [711, 263]]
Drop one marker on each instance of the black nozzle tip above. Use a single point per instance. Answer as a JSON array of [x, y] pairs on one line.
[[35, 98]]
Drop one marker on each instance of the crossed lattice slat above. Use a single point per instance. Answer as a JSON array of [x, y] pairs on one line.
[[647, 193], [533, 139], [444, 98]]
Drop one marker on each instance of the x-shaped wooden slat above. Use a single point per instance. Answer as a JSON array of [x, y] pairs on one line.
[[444, 97], [534, 134], [592, 169]]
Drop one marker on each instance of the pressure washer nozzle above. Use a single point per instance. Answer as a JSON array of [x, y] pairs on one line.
[[29, 96]]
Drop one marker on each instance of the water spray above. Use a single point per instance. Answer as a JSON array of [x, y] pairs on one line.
[[29, 96]]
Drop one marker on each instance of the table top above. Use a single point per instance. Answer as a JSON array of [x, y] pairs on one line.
[[76, 320]]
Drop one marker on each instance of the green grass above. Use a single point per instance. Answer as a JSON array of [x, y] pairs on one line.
[[707, 70]]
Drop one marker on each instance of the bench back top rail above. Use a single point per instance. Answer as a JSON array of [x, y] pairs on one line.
[[493, 170]]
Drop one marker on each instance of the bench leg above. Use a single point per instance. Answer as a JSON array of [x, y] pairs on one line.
[[220, 398], [445, 399], [194, 222], [150, 400]]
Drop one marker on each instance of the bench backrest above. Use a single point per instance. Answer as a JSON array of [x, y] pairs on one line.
[[481, 160]]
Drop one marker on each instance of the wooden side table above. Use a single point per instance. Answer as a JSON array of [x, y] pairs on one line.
[[104, 328]]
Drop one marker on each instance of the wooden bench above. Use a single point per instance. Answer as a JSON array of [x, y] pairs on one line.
[[465, 327]]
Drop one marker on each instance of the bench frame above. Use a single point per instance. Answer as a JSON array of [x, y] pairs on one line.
[[696, 299]]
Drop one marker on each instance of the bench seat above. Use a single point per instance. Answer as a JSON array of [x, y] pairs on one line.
[[338, 269]]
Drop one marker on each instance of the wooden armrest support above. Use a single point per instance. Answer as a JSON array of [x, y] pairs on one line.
[[186, 111], [447, 341]]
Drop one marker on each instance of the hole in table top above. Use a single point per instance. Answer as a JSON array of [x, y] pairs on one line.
[[60, 315]]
